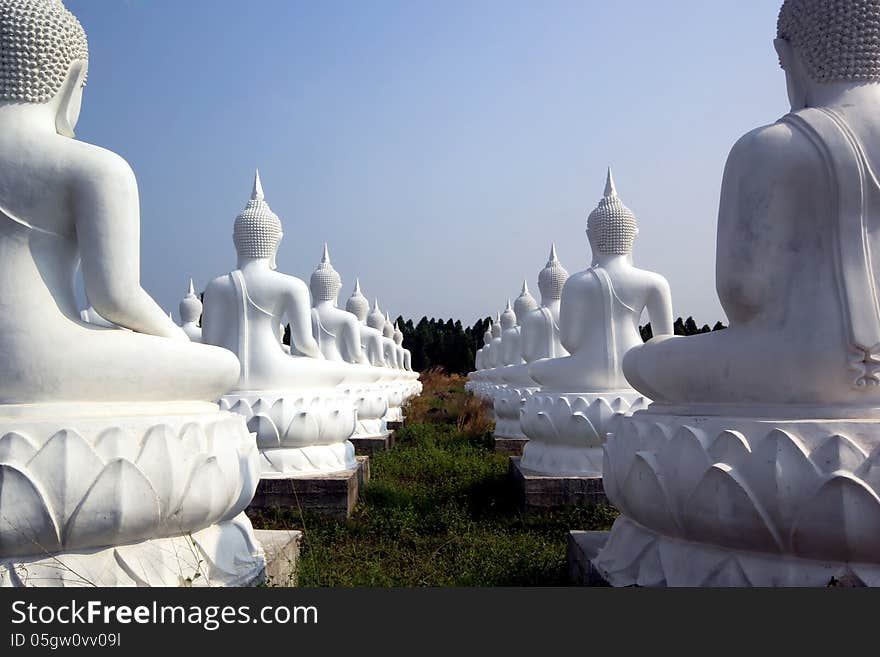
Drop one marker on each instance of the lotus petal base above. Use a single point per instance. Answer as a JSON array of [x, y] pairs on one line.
[[761, 501], [225, 554], [566, 431], [85, 480], [299, 432]]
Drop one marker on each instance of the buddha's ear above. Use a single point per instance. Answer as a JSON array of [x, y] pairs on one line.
[[69, 99], [783, 49]]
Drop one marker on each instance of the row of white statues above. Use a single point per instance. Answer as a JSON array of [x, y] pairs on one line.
[[757, 462], [553, 372], [117, 464]]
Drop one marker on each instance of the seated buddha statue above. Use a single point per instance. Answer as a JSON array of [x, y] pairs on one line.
[[756, 463], [404, 354], [337, 331], [601, 306], [390, 347], [243, 310], [375, 336], [496, 350], [290, 397], [808, 244], [540, 327], [371, 338], [482, 358], [118, 468], [190, 312], [568, 418], [516, 371], [64, 202]]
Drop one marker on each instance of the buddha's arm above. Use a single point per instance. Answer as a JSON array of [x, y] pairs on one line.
[[659, 307], [351, 336], [571, 324], [297, 309], [107, 214], [754, 199]]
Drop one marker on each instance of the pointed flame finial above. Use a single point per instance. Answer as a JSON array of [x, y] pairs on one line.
[[376, 305], [553, 257], [610, 189], [325, 257], [257, 194], [509, 307], [357, 285], [192, 289], [525, 287]]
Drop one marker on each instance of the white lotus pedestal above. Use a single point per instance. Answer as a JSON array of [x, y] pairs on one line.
[[736, 501], [394, 393], [121, 494], [306, 461], [508, 437], [561, 463], [371, 434]]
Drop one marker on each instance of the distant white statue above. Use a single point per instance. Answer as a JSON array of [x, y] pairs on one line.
[[567, 420], [290, 399], [116, 466], [371, 338], [540, 327], [756, 463], [190, 313]]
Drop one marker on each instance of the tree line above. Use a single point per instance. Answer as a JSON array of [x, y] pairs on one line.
[[452, 346]]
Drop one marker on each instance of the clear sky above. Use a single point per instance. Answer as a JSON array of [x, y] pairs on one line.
[[438, 147]]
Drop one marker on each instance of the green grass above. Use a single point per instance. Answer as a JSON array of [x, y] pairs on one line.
[[439, 511]]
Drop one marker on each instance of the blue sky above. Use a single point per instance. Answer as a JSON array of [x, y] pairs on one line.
[[438, 147]]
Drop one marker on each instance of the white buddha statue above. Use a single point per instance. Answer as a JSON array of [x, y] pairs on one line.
[[339, 335], [567, 420], [390, 348], [190, 312], [496, 350], [105, 456], [302, 422], [337, 331], [375, 338], [404, 354], [760, 449], [371, 338], [540, 327], [509, 400]]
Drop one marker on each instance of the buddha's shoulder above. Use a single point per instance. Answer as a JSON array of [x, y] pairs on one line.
[[88, 161], [774, 145]]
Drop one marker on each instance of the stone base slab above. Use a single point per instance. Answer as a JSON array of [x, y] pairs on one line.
[[332, 495], [363, 472], [509, 446], [281, 548], [538, 492], [369, 445], [580, 550]]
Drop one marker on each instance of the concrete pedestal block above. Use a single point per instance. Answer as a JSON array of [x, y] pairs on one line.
[[363, 472], [332, 495], [367, 446], [539, 492], [581, 548], [509, 446], [281, 548]]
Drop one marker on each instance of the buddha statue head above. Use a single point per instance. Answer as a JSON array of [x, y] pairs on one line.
[[257, 230], [388, 327], [357, 303], [376, 320], [823, 42], [190, 306], [325, 282], [525, 302], [496, 326], [552, 279], [487, 336], [43, 59], [611, 227], [508, 318], [398, 335]]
